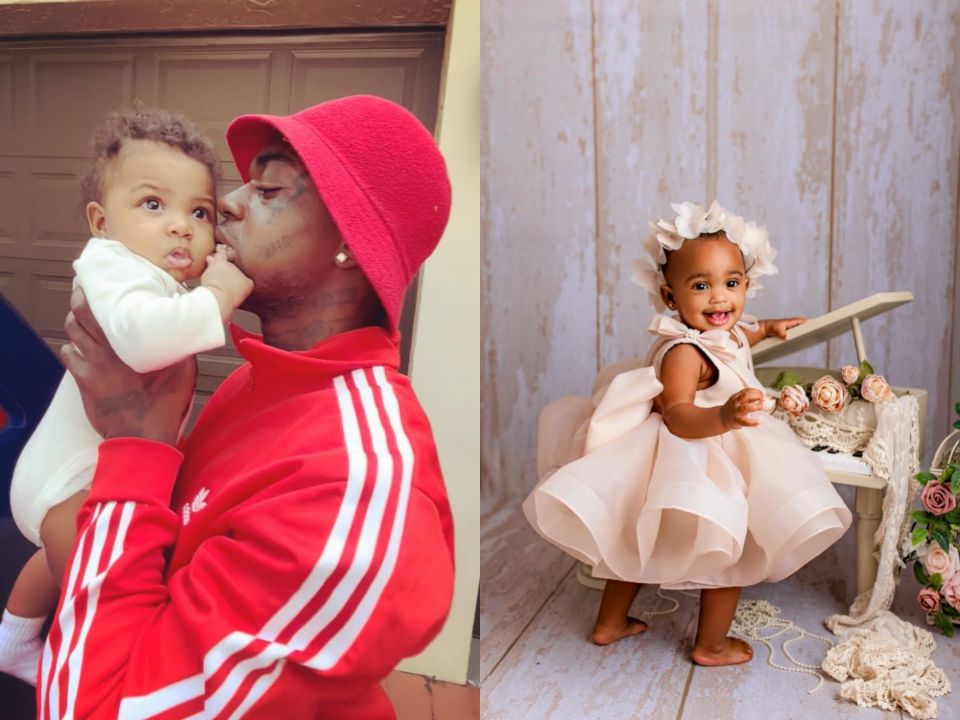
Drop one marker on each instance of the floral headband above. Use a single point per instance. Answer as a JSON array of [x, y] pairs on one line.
[[693, 221]]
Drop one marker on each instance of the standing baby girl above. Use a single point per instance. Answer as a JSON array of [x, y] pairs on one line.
[[151, 207], [683, 480]]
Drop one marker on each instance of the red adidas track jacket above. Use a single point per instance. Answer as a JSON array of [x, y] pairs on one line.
[[277, 565]]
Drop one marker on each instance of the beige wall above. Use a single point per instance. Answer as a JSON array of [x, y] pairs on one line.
[[445, 360], [833, 123]]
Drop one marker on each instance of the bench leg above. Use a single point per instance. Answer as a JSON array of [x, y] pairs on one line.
[[869, 506], [586, 578]]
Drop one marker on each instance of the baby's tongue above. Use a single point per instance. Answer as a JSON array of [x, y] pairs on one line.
[[717, 318], [179, 259]]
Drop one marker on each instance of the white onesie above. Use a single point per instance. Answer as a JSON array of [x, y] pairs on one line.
[[151, 321]]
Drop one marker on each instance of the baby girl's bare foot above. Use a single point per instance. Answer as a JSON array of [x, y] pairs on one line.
[[606, 634], [730, 651]]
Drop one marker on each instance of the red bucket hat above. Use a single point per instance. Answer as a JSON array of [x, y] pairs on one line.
[[380, 175]]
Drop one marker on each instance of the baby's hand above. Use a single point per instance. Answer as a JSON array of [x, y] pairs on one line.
[[230, 286], [735, 412], [778, 328]]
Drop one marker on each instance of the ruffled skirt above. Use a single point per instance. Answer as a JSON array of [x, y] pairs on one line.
[[647, 506]]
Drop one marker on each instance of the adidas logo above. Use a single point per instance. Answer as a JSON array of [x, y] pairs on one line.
[[198, 504]]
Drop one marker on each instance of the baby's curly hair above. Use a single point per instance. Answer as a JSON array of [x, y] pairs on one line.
[[142, 122]]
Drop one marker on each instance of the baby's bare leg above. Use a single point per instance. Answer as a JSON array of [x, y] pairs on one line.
[[613, 623], [59, 531], [34, 593], [32, 599], [712, 646]]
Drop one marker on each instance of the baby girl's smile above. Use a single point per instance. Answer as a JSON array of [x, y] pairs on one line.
[[717, 318], [707, 283]]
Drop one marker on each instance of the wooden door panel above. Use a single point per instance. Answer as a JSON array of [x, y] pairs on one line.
[[7, 139], [203, 86], [66, 93], [53, 226], [9, 202]]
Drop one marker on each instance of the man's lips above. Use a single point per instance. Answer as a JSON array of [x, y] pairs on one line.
[[223, 239]]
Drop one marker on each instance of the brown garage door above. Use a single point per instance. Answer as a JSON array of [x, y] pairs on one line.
[[52, 93]]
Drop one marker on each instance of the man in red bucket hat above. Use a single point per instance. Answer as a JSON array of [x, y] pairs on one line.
[[285, 556], [378, 173]]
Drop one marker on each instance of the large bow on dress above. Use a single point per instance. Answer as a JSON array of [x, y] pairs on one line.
[[628, 400], [720, 342]]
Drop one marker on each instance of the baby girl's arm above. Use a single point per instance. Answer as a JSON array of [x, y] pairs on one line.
[[679, 374], [147, 327], [772, 328]]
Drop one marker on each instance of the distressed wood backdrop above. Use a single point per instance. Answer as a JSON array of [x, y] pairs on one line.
[[834, 123]]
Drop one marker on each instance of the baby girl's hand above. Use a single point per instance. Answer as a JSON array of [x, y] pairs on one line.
[[224, 279], [778, 328], [735, 412]]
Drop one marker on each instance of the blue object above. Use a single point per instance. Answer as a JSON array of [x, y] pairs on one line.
[[29, 376]]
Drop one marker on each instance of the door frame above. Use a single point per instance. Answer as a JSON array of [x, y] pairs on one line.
[[86, 17]]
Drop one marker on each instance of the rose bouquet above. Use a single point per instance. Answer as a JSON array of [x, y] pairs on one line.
[[933, 543], [828, 393]]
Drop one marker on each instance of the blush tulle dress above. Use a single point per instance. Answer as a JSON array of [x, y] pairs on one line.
[[623, 494]]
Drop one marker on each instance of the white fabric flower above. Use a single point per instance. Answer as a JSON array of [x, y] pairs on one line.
[[714, 218], [758, 255], [654, 248], [648, 276], [735, 228], [689, 222]]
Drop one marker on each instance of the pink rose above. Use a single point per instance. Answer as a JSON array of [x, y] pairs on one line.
[[937, 498], [935, 560], [875, 389], [850, 374], [793, 399], [929, 599], [829, 394], [951, 591]]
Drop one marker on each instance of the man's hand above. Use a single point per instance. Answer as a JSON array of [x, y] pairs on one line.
[[120, 402]]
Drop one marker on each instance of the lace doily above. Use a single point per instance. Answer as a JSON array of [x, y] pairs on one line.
[[848, 431], [881, 660], [889, 666], [892, 457]]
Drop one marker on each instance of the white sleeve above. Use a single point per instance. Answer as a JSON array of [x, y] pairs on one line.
[[147, 327]]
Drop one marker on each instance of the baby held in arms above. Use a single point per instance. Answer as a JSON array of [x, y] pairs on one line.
[[151, 206], [683, 481]]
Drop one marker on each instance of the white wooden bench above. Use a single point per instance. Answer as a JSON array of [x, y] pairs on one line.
[[843, 468]]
